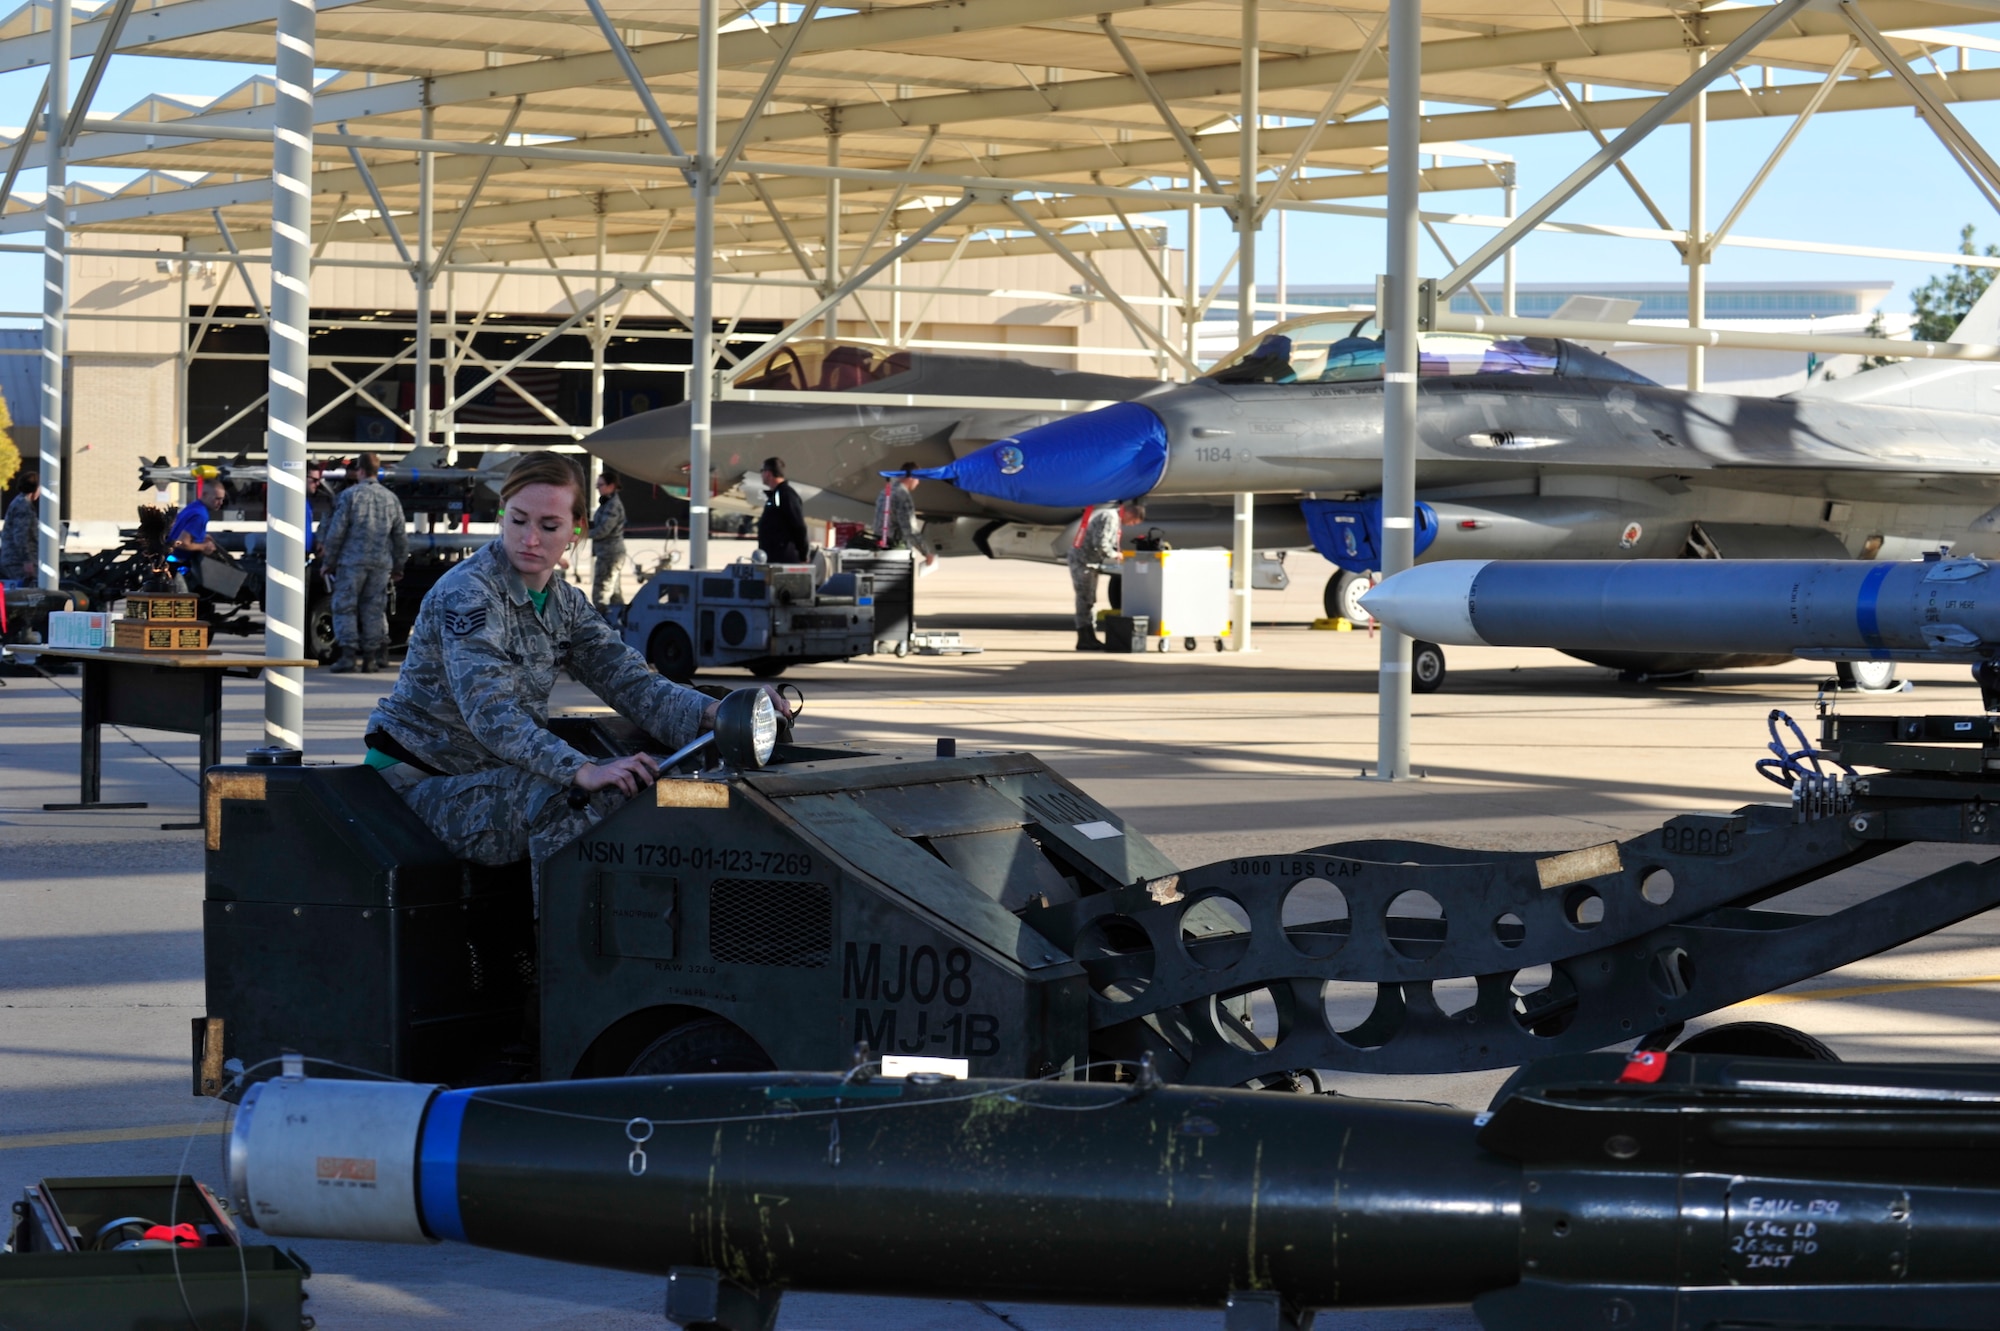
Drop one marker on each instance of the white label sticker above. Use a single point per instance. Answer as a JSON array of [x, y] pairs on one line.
[[1098, 831], [903, 1065]]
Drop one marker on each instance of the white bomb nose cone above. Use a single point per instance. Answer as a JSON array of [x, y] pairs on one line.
[[1432, 602]]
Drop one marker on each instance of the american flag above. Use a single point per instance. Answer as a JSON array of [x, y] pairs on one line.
[[501, 405]]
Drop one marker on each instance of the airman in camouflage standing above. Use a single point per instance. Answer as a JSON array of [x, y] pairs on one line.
[[896, 516], [1098, 536], [17, 533], [362, 549], [607, 540]]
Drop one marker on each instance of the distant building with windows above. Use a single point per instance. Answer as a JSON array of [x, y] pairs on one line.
[[1728, 301]]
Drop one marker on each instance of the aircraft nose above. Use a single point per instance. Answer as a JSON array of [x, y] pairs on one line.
[[1115, 452], [651, 446]]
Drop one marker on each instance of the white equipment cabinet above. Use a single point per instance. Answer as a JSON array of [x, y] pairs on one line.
[[1182, 594]]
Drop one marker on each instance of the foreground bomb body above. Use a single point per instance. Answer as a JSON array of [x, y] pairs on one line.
[[1659, 1190]]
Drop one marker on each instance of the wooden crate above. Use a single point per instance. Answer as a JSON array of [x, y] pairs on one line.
[[151, 605], [143, 635]]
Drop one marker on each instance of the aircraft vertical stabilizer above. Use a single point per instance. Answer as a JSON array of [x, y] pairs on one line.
[[1943, 385]]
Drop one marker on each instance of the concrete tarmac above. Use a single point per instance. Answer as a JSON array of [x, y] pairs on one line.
[[1210, 754]]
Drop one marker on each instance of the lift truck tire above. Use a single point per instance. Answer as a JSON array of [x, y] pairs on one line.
[[1758, 1039], [769, 669], [706, 1044], [670, 653]]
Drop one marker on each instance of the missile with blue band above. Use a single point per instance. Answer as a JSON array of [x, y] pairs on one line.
[[1648, 1190], [1934, 610], [155, 474]]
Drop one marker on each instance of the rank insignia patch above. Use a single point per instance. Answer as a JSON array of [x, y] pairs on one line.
[[463, 623]]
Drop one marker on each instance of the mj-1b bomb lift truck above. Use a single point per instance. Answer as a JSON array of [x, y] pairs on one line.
[[781, 906]]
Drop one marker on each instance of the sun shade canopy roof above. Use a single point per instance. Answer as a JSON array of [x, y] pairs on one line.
[[1035, 95]]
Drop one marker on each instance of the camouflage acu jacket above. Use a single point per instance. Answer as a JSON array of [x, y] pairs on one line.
[[1101, 535], [474, 690], [17, 539], [366, 530]]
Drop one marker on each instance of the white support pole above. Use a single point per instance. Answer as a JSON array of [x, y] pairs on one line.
[[1281, 287], [1247, 222], [291, 312], [1399, 379], [831, 276], [896, 333], [449, 424], [599, 335], [1191, 280], [55, 304], [183, 358], [1697, 227], [424, 274], [1242, 564], [1510, 200], [1246, 180], [701, 363]]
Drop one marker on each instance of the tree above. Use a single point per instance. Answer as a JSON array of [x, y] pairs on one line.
[[10, 456], [1876, 329], [1943, 301]]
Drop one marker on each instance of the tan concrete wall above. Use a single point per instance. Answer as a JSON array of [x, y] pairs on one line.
[[125, 306], [121, 409]]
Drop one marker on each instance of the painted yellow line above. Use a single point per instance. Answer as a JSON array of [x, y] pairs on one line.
[[1865, 990], [101, 1136]]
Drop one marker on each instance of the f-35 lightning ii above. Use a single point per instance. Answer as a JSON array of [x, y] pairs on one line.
[[864, 423]]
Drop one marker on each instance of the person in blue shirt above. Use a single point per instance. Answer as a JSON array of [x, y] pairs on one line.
[[189, 534]]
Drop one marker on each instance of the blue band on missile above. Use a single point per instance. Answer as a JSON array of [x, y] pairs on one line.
[[437, 1166], [1866, 602]]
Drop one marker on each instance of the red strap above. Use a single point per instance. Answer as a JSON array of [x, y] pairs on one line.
[[184, 1234], [1644, 1065], [1082, 526]]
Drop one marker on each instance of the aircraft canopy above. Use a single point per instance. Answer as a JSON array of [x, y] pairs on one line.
[[1315, 349], [815, 365]]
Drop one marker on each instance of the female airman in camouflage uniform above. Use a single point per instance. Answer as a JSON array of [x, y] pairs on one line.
[[465, 739]]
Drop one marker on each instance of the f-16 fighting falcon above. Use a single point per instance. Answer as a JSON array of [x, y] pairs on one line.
[[1537, 448]]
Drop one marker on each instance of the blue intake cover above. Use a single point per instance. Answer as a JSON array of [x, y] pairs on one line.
[[1349, 532], [1115, 452]]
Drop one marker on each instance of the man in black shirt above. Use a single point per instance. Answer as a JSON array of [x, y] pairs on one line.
[[781, 528]]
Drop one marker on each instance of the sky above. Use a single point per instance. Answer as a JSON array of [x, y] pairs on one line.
[[1865, 177]]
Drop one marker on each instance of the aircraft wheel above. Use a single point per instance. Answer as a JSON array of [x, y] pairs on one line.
[[671, 653], [706, 1045], [1869, 676], [1426, 667], [1758, 1039], [769, 669], [1342, 598]]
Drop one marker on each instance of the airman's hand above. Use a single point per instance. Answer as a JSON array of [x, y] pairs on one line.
[[631, 774]]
